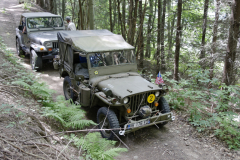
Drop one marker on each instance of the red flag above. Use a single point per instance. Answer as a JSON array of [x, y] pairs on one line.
[[159, 79]]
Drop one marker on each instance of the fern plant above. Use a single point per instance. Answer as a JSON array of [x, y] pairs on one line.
[[97, 148], [68, 114], [40, 90]]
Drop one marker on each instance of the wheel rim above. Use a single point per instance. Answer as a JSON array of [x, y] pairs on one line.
[[17, 46], [67, 90], [106, 125]]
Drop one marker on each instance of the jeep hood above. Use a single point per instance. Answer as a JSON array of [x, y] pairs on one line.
[[43, 36], [127, 85]]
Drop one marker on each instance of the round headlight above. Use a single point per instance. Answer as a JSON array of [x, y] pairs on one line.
[[125, 100], [157, 93]]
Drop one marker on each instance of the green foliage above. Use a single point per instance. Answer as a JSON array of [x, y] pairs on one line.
[[68, 114], [228, 130], [96, 148], [207, 107], [3, 10], [27, 5], [40, 90], [6, 110]]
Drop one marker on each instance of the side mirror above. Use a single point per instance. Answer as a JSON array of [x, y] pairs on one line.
[[79, 77], [20, 28]]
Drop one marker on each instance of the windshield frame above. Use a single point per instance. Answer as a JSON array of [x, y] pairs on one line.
[[45, 28], [105, 64]]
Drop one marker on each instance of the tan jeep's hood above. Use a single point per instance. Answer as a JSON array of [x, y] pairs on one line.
[[125, 85]]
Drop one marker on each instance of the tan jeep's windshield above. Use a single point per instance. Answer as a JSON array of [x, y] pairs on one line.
[[44, 22], [112, 58]]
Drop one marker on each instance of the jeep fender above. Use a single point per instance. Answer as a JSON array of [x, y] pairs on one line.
[[106, 100], [38, 48]]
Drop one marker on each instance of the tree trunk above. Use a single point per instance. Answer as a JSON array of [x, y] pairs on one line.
[[178, 38], [124, 19], [41, 3], [171, 35], [120, 16], [81, 18], [114, 14], [46, 4], [202, 54], [163, 63], [153, 22], [169, 30], [110, 15], [51, 5], [159, 35], [38, 2], [132, 20], [73, 6], [140, 46], [149, 35], [63, 9], [59, 7], [91, 14], [229, 63], [86, 15], [214, 39], [55, 7]]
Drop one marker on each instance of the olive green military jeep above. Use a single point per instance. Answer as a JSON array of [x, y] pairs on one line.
[[100, 69]]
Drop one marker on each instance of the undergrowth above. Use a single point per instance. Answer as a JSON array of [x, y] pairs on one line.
[[209, 108], [69, 115], [95, 147]]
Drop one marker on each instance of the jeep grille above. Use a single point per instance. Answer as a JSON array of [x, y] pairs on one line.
[[135, 101], [55, 44]]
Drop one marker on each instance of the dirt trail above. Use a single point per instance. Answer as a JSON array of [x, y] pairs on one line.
[[177, 140]]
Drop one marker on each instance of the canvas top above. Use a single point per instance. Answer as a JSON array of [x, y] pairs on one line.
[[93, 40]]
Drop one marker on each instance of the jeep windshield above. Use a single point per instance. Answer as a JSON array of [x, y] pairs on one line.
[[44, 22], [103, 59]]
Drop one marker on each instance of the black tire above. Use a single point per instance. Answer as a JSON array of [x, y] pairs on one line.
[[19, 50], [36, 63], [110, 122], [68, 92], [163, 108]]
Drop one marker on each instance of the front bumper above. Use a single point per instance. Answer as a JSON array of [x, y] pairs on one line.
[[50, 55], [132, 126]]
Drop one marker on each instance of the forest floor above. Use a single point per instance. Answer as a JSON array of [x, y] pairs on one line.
[[176, 140]]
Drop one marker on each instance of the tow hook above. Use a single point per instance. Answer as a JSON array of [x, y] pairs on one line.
[[173, 117], [121, 133]]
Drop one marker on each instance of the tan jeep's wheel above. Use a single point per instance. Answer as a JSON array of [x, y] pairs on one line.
[[107, 119]]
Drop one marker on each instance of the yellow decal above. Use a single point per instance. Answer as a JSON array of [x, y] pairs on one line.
[[96, 72], [151, 98]]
